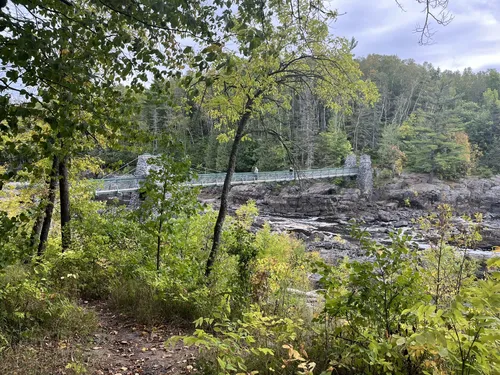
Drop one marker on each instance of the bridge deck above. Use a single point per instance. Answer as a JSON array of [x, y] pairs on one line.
[[117, 185]]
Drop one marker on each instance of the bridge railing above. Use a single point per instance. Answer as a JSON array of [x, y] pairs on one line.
[[250, 177], [117, 184], [125, 184]]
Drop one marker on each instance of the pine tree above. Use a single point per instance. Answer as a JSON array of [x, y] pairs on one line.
[[433, 145], [332, 147]]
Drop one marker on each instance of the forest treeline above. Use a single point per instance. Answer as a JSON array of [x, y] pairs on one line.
[[425, 119]]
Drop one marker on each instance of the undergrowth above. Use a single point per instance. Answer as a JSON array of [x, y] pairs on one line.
[[402, 312]]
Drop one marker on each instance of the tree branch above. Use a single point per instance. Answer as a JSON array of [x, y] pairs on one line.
[[436, 10]]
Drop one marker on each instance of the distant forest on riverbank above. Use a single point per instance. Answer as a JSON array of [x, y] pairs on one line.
[[425, 120]]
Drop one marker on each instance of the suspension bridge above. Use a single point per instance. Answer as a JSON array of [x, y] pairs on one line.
[[126, 184], [117, 185]]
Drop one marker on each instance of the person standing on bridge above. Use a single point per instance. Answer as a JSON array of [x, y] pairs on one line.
[[292, 173], [256, 173]]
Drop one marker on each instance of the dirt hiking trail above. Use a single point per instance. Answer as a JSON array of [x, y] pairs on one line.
[[122, 347]]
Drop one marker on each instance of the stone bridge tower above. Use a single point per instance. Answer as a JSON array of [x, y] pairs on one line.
[[365, 172], [142, 169], [365, 176]]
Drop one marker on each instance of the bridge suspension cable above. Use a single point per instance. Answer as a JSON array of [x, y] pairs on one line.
[[119, 169]]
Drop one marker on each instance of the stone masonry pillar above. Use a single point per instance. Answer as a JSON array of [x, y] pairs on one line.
[[365, 175], [142, 169], [351, 161]]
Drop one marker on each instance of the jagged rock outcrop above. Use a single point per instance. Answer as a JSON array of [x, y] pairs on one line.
[[482, 194], [393, 206], [318, 199]]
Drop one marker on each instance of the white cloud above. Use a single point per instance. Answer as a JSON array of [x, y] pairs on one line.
[[471, 40]]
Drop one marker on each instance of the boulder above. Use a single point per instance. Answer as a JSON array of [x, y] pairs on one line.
[[322, 189], [385, 216]]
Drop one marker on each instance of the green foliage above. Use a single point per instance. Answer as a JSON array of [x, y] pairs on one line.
[[491, 157], [266, 74], [282, 265], [364, 302], [399, 313], [166, 197], [242, 245], [403, 313], [271, 156], [462, 339], [28, 309], [405, 87], [446, 267], [390, 156], [268, 324], [254, 344], [434, 145], [13, 234], [75, 56], [333, 146]]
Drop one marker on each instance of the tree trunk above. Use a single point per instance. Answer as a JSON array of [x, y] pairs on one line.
[[49, 209], [65, 208], [308, 123], [158, 244], [227, 186], [37, 228], [160, 226]]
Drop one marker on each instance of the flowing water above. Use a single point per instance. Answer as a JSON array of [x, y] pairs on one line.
[[333, 241]]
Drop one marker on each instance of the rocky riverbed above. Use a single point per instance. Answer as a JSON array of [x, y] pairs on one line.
[[319, 211]]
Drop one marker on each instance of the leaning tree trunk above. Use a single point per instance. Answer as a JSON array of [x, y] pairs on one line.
[[65, 208], [49, 208], [37, 229], [160, 226], [227, 186]]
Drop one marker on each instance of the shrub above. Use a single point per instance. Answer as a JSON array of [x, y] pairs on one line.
[[463, 338], [282, 265], [410, 313], [363, 305], [254, 344], [28, 309]]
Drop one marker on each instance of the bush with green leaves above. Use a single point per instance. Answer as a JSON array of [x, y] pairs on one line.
[[267, 331], [166, 196], [282, 264], [29, 309], [448, 268], [363, 305], [107, 245], [407, 312], [255, 343], [463, 338]]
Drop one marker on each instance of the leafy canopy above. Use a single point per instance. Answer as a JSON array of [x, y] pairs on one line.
[[288, 49]]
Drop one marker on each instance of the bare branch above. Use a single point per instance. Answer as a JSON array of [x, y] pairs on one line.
[[400, 5], [436, 10]]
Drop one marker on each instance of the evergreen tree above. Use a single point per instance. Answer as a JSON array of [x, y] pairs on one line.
[[332, 147], [433, 145]]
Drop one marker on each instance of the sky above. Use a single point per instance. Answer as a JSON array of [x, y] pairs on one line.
[[380, 26]]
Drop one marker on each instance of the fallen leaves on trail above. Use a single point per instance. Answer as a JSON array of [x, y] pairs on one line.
[[125, 348]]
